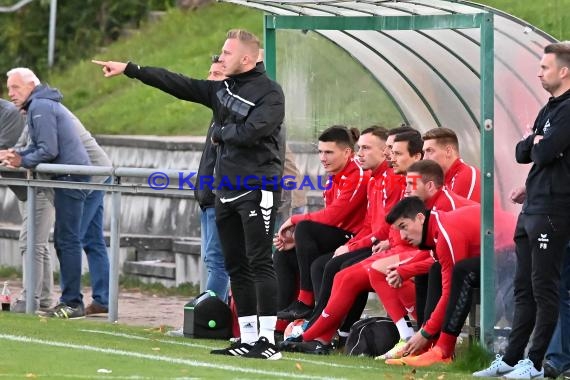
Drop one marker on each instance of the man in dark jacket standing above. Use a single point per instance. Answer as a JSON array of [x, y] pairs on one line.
[[248, 110], [543, 226]]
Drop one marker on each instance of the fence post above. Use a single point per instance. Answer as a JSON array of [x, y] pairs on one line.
[[29, 267], [115, 246]]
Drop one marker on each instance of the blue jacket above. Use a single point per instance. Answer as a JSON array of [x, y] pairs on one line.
[[54, 138]]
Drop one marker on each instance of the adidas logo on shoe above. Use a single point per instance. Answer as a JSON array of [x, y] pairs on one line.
[[263, 349]]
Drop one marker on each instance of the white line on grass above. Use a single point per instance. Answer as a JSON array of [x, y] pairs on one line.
[[130, 336], [105, 377], [193, 363]]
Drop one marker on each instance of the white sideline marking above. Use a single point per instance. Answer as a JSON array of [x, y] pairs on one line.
[[194, 363], [133, 377], [129, 336]]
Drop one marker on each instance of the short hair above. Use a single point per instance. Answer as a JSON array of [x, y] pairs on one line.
[[341, 135], [376, 130], [561, 51], [401, 129], [443, 136], [244, 37], [414, 139], [407, 208], [26, 74], [428, 170]]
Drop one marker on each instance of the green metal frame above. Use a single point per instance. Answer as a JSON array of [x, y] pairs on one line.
[[482, 21]]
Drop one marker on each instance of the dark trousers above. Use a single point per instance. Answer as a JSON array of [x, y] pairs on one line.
[[245, 226], [313, 240], [287, 271], [428, 293], [323, 271], [540, 245], [466, 277]]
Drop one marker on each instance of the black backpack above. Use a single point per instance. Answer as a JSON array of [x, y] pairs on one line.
[[372, 337]]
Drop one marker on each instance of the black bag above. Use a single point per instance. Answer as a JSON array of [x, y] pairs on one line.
[[207, 317], [372, 337]]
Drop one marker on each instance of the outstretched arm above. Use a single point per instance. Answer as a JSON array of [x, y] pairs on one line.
[[111, 68]]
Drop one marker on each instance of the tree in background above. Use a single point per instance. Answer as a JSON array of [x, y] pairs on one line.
[[82, 27]]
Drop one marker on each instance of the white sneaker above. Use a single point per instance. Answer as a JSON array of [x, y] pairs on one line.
[[525, 370], [497, 368]]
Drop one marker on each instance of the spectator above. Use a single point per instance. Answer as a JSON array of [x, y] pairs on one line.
[[54, 139]]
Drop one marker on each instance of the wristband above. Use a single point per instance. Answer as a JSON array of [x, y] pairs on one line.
[[425, 334]]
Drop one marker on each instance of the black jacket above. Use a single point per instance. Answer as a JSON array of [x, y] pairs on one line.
[[248, 113], [203, 192], [548, 182]]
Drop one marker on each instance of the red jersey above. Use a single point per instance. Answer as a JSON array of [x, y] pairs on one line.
[[443, 200], [452, 236], [345, 200], [464, 180], [378, 198], [385, 189]]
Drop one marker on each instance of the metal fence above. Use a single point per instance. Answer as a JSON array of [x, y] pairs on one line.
[[115, 187]]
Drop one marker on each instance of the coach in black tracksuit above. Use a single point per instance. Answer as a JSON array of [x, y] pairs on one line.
[[543, 227], [248, 110]]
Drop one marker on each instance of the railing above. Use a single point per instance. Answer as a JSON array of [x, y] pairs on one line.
[[116, 188]]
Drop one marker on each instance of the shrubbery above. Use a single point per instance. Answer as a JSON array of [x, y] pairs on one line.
[[82, 27]]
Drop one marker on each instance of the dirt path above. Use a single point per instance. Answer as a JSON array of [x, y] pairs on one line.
[[135, 308]]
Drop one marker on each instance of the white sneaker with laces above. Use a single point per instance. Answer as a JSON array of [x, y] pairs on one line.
[[525, 370], [497, 368]]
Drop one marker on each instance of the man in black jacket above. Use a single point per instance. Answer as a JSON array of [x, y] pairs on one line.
[[248, 110], [543, 226]]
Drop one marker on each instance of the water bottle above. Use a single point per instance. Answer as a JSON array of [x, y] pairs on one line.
[[5, 297], [501, 340]]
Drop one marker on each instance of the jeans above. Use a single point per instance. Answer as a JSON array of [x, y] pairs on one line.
[[44, 218], [93, 243], [558, 352], [218, 278], [69, 205]]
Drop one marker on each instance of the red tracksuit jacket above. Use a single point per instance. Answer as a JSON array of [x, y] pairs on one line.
[[464, 180], [345, 200], [452, 236]]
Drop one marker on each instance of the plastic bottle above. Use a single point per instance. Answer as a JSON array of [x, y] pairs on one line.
[[501, 340], [5, 297]]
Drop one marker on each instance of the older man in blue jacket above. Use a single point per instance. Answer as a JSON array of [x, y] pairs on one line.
[[54, 139]]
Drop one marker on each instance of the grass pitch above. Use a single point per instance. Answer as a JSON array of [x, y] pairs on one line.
[[34, 347]]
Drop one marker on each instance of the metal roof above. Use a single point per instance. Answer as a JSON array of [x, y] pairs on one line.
[[433, 76]]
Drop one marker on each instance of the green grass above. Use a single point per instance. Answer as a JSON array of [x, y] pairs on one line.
[[34, 347], [550, 16], [181, 42]]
